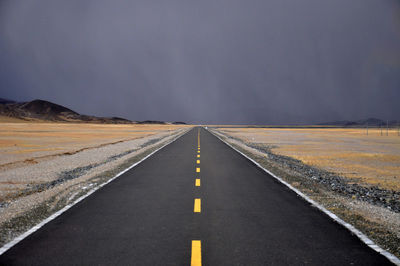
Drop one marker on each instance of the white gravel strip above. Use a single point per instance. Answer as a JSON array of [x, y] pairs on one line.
[[49, 170]]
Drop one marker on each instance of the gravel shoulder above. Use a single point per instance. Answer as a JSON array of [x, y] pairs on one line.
[[31, 193], [372, 210]]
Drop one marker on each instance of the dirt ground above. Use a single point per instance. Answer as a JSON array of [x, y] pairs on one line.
[[25, 142], [368, 159]]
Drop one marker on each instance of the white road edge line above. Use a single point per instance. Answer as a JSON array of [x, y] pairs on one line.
[[58, 213], [351, 228]]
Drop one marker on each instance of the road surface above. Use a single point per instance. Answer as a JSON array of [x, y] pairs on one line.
[[195, 201]]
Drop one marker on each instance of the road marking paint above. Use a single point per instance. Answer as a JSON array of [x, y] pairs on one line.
[[198, 155], [196, 253], [197, 205], [198, 161], [198, 137], [197, 182], [198, 170]]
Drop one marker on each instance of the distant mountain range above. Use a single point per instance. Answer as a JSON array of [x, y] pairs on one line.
[[40, 110], [371, 122]]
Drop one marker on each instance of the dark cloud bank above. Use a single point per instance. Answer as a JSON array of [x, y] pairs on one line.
[[264, 62]]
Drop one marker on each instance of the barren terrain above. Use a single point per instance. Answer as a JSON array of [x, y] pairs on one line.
[[31, 141], [367, 159]]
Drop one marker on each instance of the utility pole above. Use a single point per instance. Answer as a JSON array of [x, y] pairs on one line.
[[387, 127]]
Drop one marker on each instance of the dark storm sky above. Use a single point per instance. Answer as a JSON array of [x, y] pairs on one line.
[[215, 61]]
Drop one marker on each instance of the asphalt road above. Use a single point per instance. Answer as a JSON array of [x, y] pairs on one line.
[[147, 217]]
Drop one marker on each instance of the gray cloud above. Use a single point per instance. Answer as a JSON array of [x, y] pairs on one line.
[[229, 61]]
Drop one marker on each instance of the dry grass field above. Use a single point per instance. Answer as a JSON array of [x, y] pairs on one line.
[[372, 159], [23, 142]]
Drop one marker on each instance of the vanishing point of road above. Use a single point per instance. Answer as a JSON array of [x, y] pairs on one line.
[[199, 202]]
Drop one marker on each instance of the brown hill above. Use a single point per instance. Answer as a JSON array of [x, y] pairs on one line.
[[40, 110]]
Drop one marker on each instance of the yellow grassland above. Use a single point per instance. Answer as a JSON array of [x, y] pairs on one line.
[[370, 159], [24, 141]]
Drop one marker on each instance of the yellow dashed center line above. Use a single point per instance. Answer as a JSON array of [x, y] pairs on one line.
[[196, 253], [198, 137], [196, 244], [197, 205]]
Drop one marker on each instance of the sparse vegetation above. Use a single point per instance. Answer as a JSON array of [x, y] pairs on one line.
[[349, 152]]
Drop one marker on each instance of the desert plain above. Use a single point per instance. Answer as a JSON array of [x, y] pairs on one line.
[[372, 159], [29, 142]]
